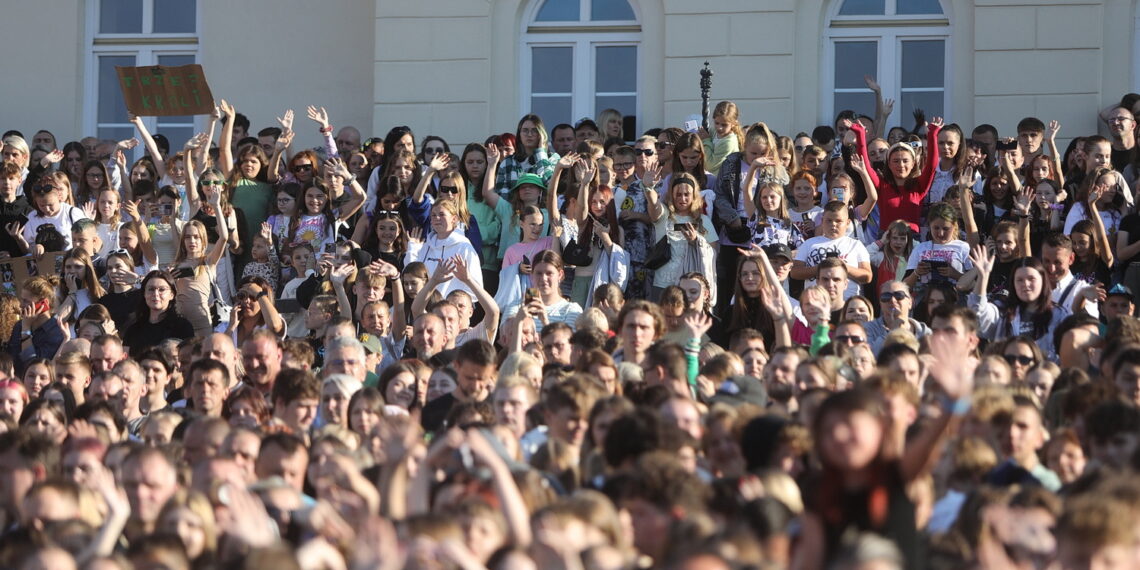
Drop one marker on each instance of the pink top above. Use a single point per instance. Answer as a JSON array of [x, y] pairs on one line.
[[515, 253]]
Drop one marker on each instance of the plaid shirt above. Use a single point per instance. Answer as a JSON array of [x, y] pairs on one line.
[[511, 168]]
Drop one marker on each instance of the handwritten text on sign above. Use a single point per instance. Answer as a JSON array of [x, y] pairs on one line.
[[162, 91]]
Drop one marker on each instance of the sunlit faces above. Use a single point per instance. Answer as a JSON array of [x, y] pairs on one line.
[[443, 221], [532, 226], [751, 278], [877, 150], [850, 440], [638, 331], [948, 143], [1107, 187], [858, 311], [546, 277], [834, 223], [804, 193], [901, 163], [475, 162], [1099, 156], [440, 383], [37, 377]]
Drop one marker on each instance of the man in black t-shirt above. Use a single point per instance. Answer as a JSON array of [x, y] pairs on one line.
[[1122, 125], [13, 208]]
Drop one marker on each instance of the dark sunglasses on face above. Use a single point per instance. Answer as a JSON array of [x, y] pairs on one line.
[[1019, 359], [623, 165], [896, 295], [850, 339], [43, 188], [448, 190], [213, 183], [387, 214], [643, 151], [431, 150], [302, 168], [662, 145]]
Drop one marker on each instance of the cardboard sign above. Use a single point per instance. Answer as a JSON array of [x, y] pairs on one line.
[[14, 271], [160, 91]]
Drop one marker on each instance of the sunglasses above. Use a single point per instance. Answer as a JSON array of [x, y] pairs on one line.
[[623, 165], [448, 190], [214, 182], [387, 214], [302, 168], [662, 145], [1019, 359], [43, 189], [431, 150], [643, 151], [896, 295], [850, 339]]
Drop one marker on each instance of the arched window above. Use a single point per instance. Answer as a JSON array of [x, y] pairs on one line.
[[904, 44], [578, 58]]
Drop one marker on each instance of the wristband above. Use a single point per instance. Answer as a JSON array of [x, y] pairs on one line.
[[326, 130], [262, 295]]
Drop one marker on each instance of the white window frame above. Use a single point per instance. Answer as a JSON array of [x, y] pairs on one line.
[[146, 47], [583, 37], [888, 32]]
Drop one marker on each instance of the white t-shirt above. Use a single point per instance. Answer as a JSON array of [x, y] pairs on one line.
[[850, 250], [956, 253], [62, 221]]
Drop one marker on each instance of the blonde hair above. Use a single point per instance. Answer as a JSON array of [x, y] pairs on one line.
[[454, 179], [516, 363], [198, 504], [696, 209], [728, 111]]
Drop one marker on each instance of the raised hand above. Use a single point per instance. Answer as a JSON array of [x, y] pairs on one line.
[[888, 106], [336, 167], [127, 144], [196, 142], [1094, 196], [568, 160], [340, 274], [284, 140], [52, 157], [982, 259], [383, 269], [89, 209], [1022, 200], [459, 268], [937, 122], [319, 115], [226, 109], [132, 210], [652, 176], [416, 235], [697, 323], [439, 162], [1052, 129], [493, 154], [856, 163], [873, 85], [121, 160], [266, 232], [286, 122], [763, 162], [444, 271]]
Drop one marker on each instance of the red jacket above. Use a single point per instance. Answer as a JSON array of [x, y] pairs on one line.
[[900, 203]]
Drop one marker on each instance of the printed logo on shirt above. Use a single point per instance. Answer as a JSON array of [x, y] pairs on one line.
[[820, 253], [627, 204]]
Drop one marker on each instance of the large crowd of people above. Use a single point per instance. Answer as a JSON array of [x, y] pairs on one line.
[[574, 347]]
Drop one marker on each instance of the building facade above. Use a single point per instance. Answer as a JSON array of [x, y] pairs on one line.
[[464, 68]]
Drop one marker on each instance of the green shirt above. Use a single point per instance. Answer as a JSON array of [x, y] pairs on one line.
[[253, 197]]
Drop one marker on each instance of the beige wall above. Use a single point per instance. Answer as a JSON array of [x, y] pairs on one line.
[[42, 67], [1049, 60], [265, 56]]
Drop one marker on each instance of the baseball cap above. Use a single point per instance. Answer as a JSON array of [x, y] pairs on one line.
[[778, 250], [529, 178], [371, 343], [1121, 290], [738, 390]]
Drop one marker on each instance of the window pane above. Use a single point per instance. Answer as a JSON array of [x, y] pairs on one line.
[[863, 8], [862, 103], [559, 11], [553, 110], [853, 60], [175, 16], [120, 17], [118, 134], [173, 61], [111, 106], [923, 63], [551, 69], [176, 135], [615, 69], [918, 7], [626, 104], [610, 10], [933, 103]]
